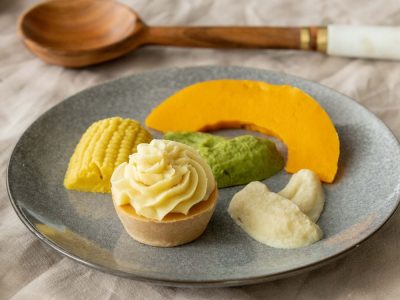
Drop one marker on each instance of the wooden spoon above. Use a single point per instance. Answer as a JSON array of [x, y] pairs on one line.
[[85, 32]]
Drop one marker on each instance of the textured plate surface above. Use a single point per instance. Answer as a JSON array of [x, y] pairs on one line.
[[85, 227]]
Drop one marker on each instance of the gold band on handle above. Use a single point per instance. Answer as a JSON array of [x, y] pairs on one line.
[[322, 39], [305, 38]]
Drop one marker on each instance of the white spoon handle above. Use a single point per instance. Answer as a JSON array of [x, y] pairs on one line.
[[381, 42]]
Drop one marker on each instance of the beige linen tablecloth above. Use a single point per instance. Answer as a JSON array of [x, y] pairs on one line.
[[31, 270]]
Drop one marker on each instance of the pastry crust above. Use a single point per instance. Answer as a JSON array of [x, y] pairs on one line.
[[175, 229]]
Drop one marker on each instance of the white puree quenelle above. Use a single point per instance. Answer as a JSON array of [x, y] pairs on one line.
[[305, 190], [283, 220], [162, 177]]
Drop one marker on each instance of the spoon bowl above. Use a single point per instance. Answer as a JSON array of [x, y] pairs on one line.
[[80, 33]]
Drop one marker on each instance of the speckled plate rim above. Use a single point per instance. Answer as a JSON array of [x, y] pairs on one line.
[[202, 283]]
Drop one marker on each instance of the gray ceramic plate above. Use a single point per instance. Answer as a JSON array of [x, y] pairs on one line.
[[84, 226]]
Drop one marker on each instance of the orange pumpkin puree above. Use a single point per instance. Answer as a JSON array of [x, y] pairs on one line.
[[282, 111]]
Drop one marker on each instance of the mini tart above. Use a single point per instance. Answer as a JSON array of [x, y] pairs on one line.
[[174, 229]]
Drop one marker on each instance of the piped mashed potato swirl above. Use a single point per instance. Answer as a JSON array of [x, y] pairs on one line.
[[162, 177]]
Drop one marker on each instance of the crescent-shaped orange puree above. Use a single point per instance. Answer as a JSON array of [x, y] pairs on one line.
[[282, 111]]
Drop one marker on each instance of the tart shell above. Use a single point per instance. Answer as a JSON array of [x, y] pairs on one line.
[[174, 229]]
